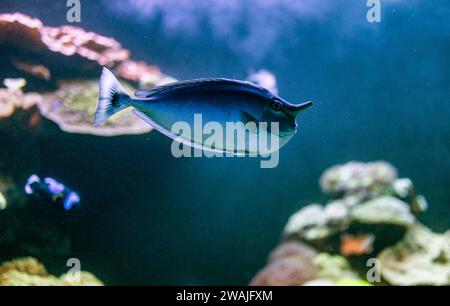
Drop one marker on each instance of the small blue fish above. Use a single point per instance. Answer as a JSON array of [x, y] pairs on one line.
[[53, 191], [217, 100]]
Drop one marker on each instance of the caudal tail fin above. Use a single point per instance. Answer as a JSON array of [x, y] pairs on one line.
[[112, 97]]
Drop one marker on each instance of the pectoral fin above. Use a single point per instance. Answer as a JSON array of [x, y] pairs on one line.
[[247, 118]]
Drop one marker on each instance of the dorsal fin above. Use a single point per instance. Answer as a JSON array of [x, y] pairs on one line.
[[243, 85]]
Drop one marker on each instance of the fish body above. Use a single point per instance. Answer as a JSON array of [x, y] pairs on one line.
[[356, 245], [52, 191], [221, 101]]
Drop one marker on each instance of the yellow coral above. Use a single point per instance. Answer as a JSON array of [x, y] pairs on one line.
[[27, 265], [82, 279], [16, 278], [30, 272]]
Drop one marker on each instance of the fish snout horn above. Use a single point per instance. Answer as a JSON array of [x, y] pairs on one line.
[[295, 109]]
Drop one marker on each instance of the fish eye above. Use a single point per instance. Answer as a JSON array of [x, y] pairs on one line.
[[276, 106]]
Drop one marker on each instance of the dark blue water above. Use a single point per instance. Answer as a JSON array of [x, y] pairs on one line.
[[382, 92]]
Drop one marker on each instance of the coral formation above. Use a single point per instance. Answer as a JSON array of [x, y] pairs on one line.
[[356, 177], [73, 48], [365, 194], [136, 70], [50, 74], [385, 209], [73, 105], [27, 265], [72, 108], [290, 264], [10, 100], [372, 214], [333, 268], [30, 272], [421, 258], [69, 102], [87, 49]]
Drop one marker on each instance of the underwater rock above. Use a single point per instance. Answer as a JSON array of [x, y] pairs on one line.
[[383, 210], [290, 264], [73, 106], [357, 177], [30, 272], [421, 258]]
